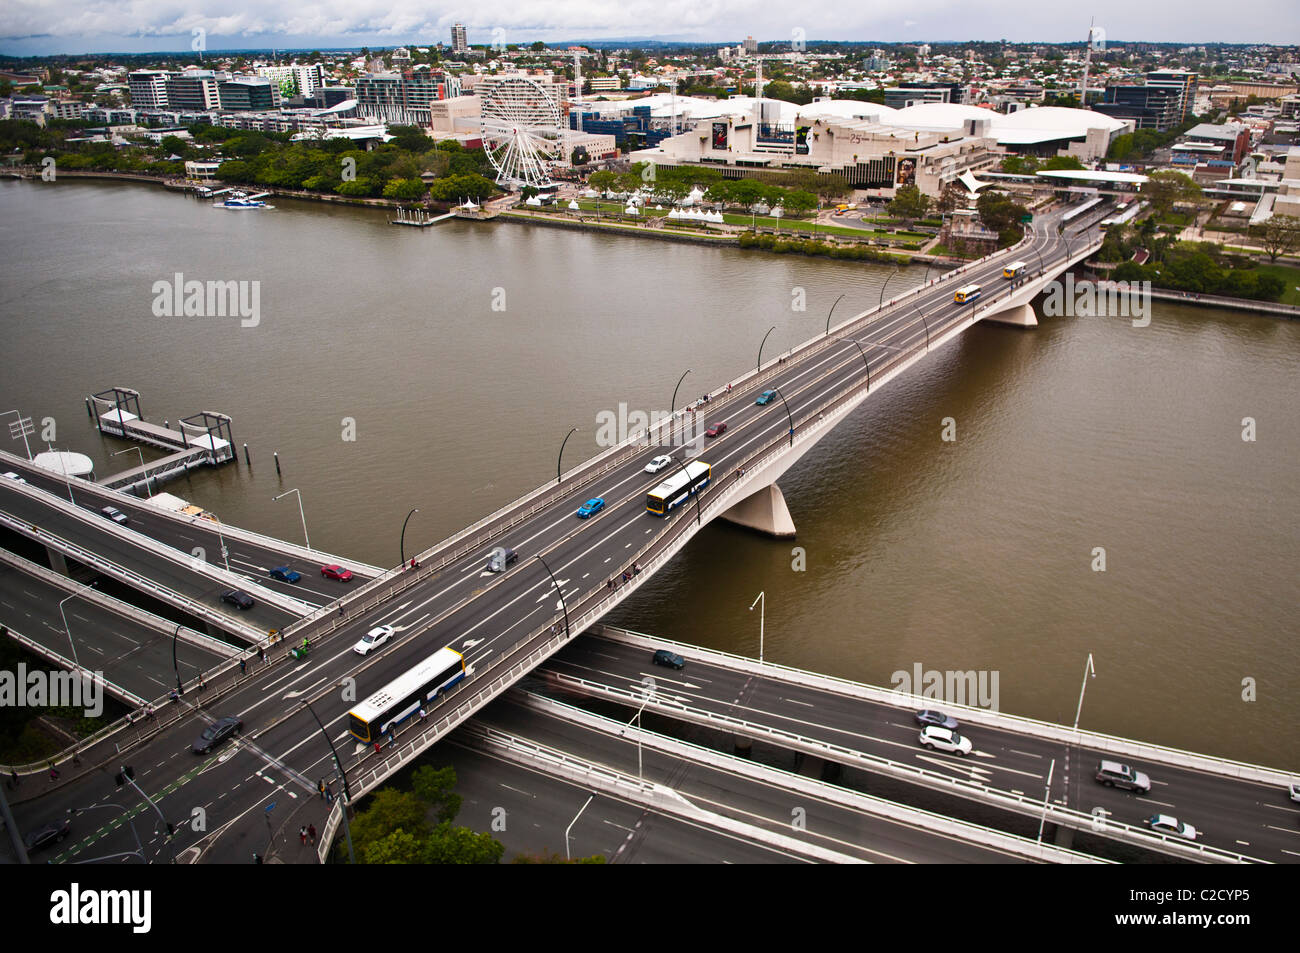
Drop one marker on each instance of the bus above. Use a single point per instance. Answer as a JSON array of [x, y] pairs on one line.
[[1124, 214], [674, 490], [1013, 269], [966, 294], [405, 695]]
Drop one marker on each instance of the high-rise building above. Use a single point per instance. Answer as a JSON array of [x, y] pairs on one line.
[[1181, 80], [148, 88], [404, 97], [751, 45], [193, 89], [459, 40], [295, 80], [1150, 107], [249, 93]]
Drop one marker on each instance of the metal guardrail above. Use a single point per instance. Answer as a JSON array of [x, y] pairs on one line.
[[844, 797]]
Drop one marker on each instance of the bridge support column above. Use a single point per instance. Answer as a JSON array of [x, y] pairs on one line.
[[1022, 316], [57, 561], [764, 511]]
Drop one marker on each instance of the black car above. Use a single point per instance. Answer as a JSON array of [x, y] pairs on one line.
[[216, 733], [238, 598], [51, 833], [664, 657]]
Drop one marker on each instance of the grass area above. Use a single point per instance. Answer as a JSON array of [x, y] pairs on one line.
[[1290, 275], [615, 209]]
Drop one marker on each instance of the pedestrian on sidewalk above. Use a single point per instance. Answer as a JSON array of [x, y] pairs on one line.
[[243, 666], [54, 772], [329, 795], [311, 834], [320, 787], [302, 834]]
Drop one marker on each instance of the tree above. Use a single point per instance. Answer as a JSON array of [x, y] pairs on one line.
[[579, 156], [1020, 165], [538, 46], [407, 190], [952, 197], [434, 786], [1164, 189], [909, 203], [603, 181], [1002, 214], [528, 192], [1062, 162], [1278, 236]]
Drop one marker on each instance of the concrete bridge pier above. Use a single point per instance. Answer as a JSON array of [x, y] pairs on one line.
[[57, 561], [1022, 316], [764, 511]]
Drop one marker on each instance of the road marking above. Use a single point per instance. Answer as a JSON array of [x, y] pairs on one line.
[[795, 701]]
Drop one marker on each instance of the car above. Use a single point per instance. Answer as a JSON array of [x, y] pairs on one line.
[[658, 463], [664, 657], [336, 572], [1295, 791], [765, 398], [717, 429], [285, 574], [373, 639], [215, 733], [10, 475], [945, 739], [1116, 775], [116, 515], [1166, 824], [238, 598], [501, 559], [51, 833], [932, 717], [591, 507]]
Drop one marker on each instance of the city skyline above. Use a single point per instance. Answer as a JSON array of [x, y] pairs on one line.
[[83, 27]]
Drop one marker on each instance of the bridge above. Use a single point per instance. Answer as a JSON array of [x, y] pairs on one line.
[[570, 572]]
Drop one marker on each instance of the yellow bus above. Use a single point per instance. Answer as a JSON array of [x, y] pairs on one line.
[[1013, 269], [966, 294]]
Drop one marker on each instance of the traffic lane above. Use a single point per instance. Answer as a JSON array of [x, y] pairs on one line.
[[130, 555], [183, 535], [770, 806], [529, 812], [127, 653]]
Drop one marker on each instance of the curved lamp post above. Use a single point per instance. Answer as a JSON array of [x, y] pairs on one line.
[[926, 323], [881, 303], [561, 456], [829, 313], [760, 348], [672, 408], [300, 513], [402, 544], [563, 605], [347, 793], [788, 416], [854, 342]]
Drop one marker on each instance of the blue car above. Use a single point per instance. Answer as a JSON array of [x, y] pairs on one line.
[[285, 574], [591, 507], [765, 398]]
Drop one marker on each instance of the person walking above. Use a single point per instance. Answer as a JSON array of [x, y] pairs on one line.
[[320, 787], [329, 795], [302, 834], [311, 834], [243, 666]]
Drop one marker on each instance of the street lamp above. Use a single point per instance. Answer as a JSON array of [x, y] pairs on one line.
[[672, 408], [881, 303], [139, 851], [68, 631], [402, 542], [148, 480], [1088, 671], [221, 538], [300, 513], [760, 348], [761, 602], [1046, 797], [866, 363], [567, 855], [789, 417], [563, 606], [561, 455], [347, 794], [926, 324], [829, 313]]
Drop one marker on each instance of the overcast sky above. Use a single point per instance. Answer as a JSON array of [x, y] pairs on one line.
[[30, 27]]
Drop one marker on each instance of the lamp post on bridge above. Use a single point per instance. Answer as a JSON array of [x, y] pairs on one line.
[[865, 362], [148, 480], [563, 606], [672, 408], [1088, 671], [301, 516], [347, 793], [402, 543], [881, 303], [66, 630], [924, 322], [561, 455], [761, 602], [788, 416], [829, 313], [760, 348]]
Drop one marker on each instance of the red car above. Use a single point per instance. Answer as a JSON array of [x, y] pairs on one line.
[[718, 428], [336, 572]]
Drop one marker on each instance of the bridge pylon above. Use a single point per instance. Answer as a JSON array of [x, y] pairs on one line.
[[764, 511]]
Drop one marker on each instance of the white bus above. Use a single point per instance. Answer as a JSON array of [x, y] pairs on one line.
[[966, 294], [678, 487], [405, 695], [1013, 269]]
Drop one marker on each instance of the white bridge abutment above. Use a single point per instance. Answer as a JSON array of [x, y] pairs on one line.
[[764, 511], [1021, 315]]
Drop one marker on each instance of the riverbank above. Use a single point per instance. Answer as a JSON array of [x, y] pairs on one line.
[[1219, 301]]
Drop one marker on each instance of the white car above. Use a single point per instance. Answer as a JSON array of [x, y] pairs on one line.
[[1295, 791], [10, 475], [1164, 824], [373, 639], [658, 463], [945, 739]]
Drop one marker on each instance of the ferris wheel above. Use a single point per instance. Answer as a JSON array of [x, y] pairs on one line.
[[521, 130]]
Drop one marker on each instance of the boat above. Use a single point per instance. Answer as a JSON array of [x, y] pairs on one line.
[[242, 200]]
